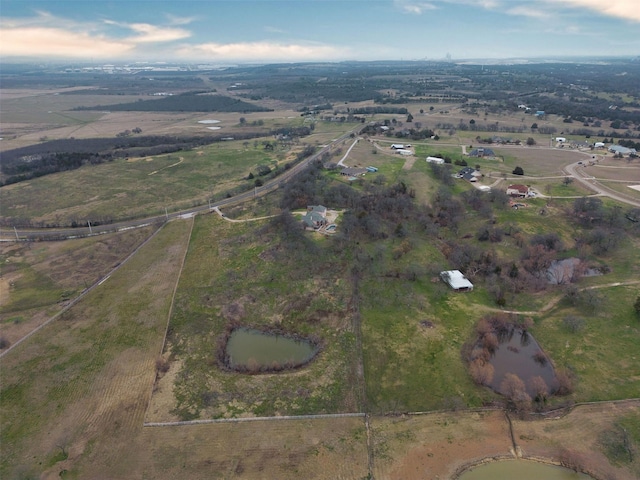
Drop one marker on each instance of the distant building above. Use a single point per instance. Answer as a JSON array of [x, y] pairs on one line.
[[540, 113], [561, 139], [456, 280], [518, 190], [404, 151], [371, 169], [482, 152], [599, 145], [622, 150], [353, 171], [397, 146], [435, 160]]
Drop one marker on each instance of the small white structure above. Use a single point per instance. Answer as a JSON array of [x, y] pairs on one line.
[[598, 145], [404, 151], [435, 160], [456, 280], [561, 139], [397, 146]]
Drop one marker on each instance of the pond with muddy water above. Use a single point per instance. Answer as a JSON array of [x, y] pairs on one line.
[[519, 353], [521, 470], [255, 350]]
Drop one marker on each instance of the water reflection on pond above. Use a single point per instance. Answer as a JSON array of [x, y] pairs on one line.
[[255, 350], [519, 353], [521, 470]]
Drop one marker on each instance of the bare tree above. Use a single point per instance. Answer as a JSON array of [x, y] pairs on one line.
[[539, 388], [481, 372]]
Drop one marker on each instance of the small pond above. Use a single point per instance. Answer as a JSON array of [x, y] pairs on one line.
[[255, 350], [519, 353], [521, 470], [564, 271]]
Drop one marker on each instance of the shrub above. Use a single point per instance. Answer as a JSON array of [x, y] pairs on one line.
[[573, 324]]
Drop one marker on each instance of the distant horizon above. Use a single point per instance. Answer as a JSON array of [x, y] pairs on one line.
[[586, 59], [294, 31]]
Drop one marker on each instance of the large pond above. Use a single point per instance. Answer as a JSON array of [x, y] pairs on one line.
[[519, 353], [255, 350], [521, 470]]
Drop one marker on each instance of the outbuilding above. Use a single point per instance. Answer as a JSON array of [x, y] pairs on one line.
[[456, 280], [437, 160], [404, 151]]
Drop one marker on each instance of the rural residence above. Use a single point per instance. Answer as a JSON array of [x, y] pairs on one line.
[[315, 217], [521, 191]]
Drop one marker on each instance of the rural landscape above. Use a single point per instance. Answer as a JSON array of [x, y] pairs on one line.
[[349, 270]]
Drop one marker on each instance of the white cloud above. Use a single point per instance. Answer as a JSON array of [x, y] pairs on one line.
[[525, 11], [55, 42], [261, 52], [414, 7], [45, 35], [627, 9], [147, 33], [273, 30]]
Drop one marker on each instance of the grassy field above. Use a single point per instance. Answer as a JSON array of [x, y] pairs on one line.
[[245, 273], [138, 187], [38, 279], [74, 397]]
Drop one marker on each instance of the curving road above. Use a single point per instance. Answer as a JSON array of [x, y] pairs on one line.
[[12, 235], [576, 170]]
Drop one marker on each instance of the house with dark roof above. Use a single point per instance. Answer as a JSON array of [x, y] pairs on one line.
[[353, 171], [315, 216], [469, 174], [482, 152]]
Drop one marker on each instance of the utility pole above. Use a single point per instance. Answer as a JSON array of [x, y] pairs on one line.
[[16, 232], [166, 214], [90, 231]]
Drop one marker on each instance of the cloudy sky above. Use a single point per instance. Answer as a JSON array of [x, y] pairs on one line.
[[257, 31]]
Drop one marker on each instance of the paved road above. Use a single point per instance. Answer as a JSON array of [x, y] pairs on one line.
[[576, 170], [10, 235]]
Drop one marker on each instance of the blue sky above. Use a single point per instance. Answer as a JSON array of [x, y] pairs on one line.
[[260, 31]]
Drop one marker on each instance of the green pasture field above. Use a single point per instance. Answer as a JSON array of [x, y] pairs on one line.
[[81, 385], [136, 187], [603, 355], [248, 269], [40, 278]]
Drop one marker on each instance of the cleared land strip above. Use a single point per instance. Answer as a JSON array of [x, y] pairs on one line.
[[252, 419]]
